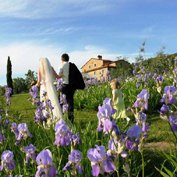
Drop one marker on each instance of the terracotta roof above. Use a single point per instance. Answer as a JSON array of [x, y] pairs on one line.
[[104, 60]]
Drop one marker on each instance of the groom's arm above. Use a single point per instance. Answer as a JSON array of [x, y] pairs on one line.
[[60, 75], [55, 74], [39, 79]]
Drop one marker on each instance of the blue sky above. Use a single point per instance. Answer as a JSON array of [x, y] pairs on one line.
[[84, 28]]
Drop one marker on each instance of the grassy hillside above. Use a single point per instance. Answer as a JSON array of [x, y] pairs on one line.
[[23, 111]]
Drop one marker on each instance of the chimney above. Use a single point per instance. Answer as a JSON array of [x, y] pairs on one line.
[[99, 57]]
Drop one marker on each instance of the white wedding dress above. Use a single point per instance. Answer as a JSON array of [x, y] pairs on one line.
[[47, 79]]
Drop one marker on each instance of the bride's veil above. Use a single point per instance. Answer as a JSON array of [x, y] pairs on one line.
[[47, 79]]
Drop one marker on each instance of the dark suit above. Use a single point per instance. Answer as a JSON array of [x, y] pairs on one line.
[[69, 92]]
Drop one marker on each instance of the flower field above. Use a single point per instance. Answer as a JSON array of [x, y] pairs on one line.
[[95, 145]]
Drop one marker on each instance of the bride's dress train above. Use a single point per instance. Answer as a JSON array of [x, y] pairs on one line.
[[47, 85]]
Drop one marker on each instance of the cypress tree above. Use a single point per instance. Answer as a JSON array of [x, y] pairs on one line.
[[9, 73]]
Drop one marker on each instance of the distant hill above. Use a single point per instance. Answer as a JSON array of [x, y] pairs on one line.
[[160, 63]]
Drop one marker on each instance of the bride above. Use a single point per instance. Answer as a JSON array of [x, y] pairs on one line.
[[47, 89]]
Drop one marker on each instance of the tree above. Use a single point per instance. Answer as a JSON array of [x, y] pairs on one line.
[[161, 52], [2, 90], [31, 76], [20, 85], [9, 73], [140, 57], [123, 69]]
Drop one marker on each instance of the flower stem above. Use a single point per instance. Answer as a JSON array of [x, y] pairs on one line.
[[142, 157], [173, 132]]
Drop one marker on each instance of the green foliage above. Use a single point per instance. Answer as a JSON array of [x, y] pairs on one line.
[[31, 76], [2, 90], [169, 166], [9, 73], [85, 124], [20, 85], [91, 97], [140, 57], [123, 70], [160, 63]]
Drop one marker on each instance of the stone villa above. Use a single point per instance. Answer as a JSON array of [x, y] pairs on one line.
[[98, 67]]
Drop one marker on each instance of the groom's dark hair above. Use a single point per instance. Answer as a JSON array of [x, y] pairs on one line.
[[65, 57]]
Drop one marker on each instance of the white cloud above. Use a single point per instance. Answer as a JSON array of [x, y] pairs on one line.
[[53, 8], [26, 56]]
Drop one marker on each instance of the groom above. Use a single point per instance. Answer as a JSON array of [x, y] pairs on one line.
[[67, 89]]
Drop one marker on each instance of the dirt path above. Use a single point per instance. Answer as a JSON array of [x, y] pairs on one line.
[[160, 146]]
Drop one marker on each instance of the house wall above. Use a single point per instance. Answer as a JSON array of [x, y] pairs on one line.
[[93, 63], [99, 74]]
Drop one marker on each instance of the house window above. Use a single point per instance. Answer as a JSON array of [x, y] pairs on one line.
[[94, 72], [103, 71], [89, 66], [94, 65]]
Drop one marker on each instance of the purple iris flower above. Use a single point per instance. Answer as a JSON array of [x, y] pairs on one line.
[[14, 129], [105, 125], [134, 72], [115, 130], [173, 122], [100, 161], [63, 134], [168, 96], [145, 128], [105, 111], [142, 100], [76, 139], [7, 121], [146, 77], [155, 75], [8, 93], [150, 75], [63, 99], [45, 164], [175, 61], [2, 138], [14, 176], [131, 145], [141, 117], [63, 103], [175, 70], [34, 92], [134, 132], [112, 144], [159, 79], [65, 108], [164, 109], [116, 142], [49, 104], [116, 146], [104, 115], [59, 84], [107, 101], [7, 161], [30, 152], [23, 132], [39, 116], [170, 89], [74, 163]]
